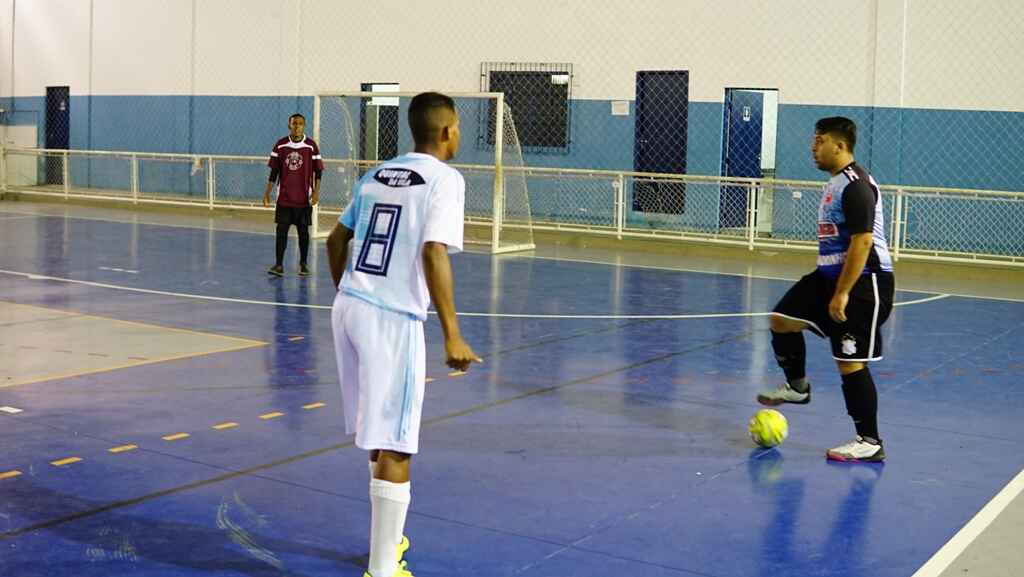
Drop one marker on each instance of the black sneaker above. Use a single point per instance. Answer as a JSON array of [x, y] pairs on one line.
[[303, 270], [276, 270]]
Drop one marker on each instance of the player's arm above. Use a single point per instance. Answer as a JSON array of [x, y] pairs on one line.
[[859, 210], [437, 269], [270, 186], [318, 173], [275, 170], [337, 251]]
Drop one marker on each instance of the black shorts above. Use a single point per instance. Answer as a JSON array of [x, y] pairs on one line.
[[860, 337], [297, 215]]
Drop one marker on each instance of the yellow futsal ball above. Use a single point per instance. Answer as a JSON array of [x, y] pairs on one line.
[[768, 427]]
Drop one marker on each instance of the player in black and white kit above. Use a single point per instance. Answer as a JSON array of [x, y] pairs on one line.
[[847, 298]]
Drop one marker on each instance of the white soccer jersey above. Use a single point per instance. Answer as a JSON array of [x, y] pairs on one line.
[[396, 208]]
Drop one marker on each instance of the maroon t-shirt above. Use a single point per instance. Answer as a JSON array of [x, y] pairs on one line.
[[296, 163]]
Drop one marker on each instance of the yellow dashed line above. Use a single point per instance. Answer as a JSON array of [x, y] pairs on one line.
[[67, 461], [273, 415], [123, 448], [228, 425], [9, 475], [429, 380], [294, 339], [175, 436], [314, 406], [456, 373]]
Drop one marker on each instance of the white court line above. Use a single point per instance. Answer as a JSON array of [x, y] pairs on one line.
[[147, 223], [922, 300], [742, 275], [951, 550], [517, 256], [462, 314]]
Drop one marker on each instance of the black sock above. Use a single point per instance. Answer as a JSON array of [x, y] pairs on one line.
[[282, 242], [303, 243], [862, 402], [791, 354]]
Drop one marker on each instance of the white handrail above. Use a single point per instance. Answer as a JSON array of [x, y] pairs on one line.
[[544, 170]]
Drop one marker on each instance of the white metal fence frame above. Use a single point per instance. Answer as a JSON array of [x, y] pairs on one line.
[[899, 199]]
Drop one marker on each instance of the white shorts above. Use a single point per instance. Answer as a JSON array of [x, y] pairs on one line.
[[382, 368]]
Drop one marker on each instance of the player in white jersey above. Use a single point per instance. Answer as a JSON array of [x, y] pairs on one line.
[[405, 217]]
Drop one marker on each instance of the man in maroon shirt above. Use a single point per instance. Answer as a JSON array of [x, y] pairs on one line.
[[295, 164]]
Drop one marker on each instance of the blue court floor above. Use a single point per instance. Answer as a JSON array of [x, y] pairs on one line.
[[604, 435]]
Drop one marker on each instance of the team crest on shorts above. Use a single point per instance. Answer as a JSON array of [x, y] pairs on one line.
[[294, 161], [849, 344]]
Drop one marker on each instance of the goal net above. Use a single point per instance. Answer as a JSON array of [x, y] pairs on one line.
[[357, 131]]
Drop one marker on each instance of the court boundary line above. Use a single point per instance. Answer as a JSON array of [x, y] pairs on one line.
[[526, 256], [969, 533], [232, 474], [741, 275], [32, 276], [240, 344]]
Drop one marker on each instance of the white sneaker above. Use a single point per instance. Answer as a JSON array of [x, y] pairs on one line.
[[857, 450], [784, 394]]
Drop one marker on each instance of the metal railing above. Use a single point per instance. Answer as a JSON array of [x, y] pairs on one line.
[[944, 224]]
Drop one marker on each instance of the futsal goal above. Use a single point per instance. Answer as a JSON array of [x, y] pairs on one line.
[[357, 131]]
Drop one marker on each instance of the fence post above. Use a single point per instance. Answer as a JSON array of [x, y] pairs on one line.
[[3, 167], [497, 203], [897, 215], [66, 173], [135, 178], [751, 214], [211, 182], [620, 204]]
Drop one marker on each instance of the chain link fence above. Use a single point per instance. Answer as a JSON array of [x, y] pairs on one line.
[[952, 225], [697, 88]]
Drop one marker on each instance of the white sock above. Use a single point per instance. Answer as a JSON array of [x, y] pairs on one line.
[[388, 505], [400, 524]]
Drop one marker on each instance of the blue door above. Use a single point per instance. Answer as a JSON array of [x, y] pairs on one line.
[[662, 106], [741, 151], [58, 129]]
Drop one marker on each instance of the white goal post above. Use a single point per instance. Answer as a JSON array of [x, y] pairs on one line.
[[356, 131]]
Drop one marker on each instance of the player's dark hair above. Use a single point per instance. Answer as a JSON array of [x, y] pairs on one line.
[[296, 115], [838, 126], [424, 120]]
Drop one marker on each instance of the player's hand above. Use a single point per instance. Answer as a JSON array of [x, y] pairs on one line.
[[459, 355], [315, 198], [837, 307], [266, 199]]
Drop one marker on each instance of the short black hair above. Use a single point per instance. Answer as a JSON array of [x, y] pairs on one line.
[[840, 126], [296, 115], [424, 121]]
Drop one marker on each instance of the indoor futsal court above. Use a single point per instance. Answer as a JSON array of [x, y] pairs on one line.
[[178, 414], [647, 210]]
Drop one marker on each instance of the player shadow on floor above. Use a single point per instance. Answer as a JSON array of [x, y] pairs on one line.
[[291, 359], [781, 551], [113, 541]]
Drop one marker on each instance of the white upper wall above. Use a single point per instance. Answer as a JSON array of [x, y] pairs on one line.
[[51, 46], [6, 16], [751, 44], [966, 55], [248, 47], [958, 53], [141, 47]]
